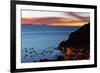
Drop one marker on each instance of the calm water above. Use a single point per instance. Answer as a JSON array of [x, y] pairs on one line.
[[40, 42]]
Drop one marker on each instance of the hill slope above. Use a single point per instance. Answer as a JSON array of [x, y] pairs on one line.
[[78, 44]]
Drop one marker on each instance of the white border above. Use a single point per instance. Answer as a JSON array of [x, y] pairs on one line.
[[20, 65]]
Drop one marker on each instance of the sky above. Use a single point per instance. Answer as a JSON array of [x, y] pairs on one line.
[[52, 18]]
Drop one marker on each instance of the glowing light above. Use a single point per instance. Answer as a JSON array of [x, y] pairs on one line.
[[69, 24]]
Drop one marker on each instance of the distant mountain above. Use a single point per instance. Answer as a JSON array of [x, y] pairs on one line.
[[78, 39]]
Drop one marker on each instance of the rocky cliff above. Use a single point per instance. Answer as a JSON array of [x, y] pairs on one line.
[[78, 44]]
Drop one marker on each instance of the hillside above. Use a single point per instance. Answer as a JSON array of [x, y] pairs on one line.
[[78, 44]]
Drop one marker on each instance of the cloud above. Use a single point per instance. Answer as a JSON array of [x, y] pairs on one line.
[[48, 20], [51, 18]]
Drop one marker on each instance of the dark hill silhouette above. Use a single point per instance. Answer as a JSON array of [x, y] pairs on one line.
[[79, 38], [77, 47]]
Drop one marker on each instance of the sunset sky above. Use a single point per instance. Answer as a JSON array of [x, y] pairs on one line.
[[54, 18]]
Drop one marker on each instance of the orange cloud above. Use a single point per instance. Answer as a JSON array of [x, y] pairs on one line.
[[26, 21], [54, 21], [69, 24]]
